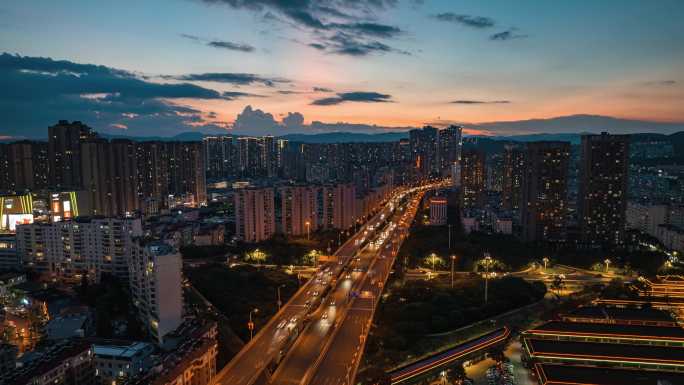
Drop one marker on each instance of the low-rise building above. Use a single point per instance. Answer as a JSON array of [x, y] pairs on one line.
[[9, 258], [68, 362], [9, 280], [8, 357], [438, 211], [70, 324], [115, 362]]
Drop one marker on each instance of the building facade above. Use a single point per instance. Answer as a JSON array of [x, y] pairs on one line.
[[155, 285], [544, 208], [602, 200], [255, 218], [87, 246]]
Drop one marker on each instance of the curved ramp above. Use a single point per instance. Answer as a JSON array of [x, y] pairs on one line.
[[447, 357]]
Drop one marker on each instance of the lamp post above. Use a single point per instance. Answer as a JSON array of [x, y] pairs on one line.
[[250, 324], [433, 257], [607, 262], [487, 261], [546, 261], [308, 230], [453, 260], [449, 238], [280, 303]]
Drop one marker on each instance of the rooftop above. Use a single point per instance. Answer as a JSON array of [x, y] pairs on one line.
[[121, 351], [627, 314], [606, 352], [584, 375], [610, 330]]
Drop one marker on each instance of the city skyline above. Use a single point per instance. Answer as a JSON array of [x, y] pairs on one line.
[[281, 67]]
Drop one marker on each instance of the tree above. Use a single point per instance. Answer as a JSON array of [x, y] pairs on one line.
[[558, 284], [256, 255], [496, 353], [434, 261], [311, 257]]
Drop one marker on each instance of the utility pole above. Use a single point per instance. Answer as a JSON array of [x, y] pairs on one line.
[[449, 237], [453, 259]]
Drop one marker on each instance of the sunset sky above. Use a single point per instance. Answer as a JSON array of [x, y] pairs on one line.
[[170, 66]]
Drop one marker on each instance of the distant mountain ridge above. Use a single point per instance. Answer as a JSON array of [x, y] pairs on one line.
[[559, 128]]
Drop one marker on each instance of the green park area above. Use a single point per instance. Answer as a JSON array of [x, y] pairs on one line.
[[641, 254], [281, 250]]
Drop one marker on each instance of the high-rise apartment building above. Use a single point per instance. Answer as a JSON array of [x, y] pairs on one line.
[[255, 219], [153, 175], [249, 157], [268, 156], [109, 175], [545, 189], [86, 246], [425, 150], [155, 285], [64, 154], [187, 177], [27, 166], [513, 172], [281, 148], [299, 207], [473, 175], [220, 156], [602, 200], [337, 206], [449, 148]]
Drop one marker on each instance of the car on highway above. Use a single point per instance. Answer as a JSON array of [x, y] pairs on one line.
[[324, 316], [293, 320], [282, 324], [332, 302], [315, 294]]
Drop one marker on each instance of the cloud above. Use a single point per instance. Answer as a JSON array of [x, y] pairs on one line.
[[222, 44], [326, 20], [253, 121], [508, 34], [293, 120], [661, 83], [236, 94], [322, 89], [345, 44], [364, 97], [35, 92], [231, 46], [466, 20], [229, 77], [371, 29], [480, 102]]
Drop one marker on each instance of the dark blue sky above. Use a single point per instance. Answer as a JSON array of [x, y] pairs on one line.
[[170, 66]]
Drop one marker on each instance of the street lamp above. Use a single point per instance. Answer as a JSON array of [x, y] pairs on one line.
[[308, 230], [607, 262], [546, 261], [453, 259], [433, 258], [250, 325], [449, 237], [487, 261], [280, 303]]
